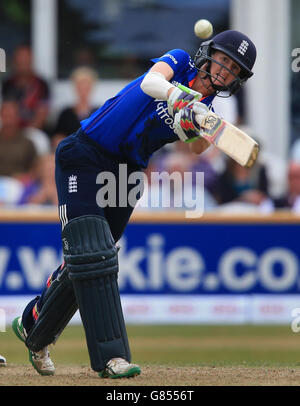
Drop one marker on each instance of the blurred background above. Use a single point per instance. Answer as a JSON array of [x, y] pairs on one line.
[[63, 60], [82, 52]]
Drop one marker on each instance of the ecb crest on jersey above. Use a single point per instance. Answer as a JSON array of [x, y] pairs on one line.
[[243, 47], [72, 186]]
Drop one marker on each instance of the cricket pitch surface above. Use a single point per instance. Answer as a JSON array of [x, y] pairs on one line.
[[196, 355]]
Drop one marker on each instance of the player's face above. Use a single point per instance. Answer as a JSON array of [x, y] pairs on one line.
[[224, 70]]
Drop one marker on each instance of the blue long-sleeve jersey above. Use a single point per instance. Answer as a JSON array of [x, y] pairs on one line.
[[133, 125]]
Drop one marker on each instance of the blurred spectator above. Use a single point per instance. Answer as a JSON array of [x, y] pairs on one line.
[[83, 79], [240, 184], [40, 140], [42, 190], [11, 191], [275, 166], [17, 153], [295, 151], [29, 90], [84, 57], [291, 200], [182, 192]]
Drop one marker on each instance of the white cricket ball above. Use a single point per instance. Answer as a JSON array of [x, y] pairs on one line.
[[203, 29]]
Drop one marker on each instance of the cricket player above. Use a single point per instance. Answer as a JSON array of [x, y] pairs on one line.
[[148, 113]]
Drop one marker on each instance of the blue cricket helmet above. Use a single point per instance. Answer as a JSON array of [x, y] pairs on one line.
[[238, 47]]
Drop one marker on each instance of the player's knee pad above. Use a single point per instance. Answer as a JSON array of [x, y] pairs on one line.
[[59, 307], [92, 262]]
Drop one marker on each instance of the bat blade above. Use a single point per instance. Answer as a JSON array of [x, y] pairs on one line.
[[231, 140]]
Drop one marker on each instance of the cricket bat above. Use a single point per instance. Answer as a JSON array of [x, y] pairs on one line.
[[226, 137], [229, 139]]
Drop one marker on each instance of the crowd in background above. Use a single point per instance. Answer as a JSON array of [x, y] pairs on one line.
[[28, 141]]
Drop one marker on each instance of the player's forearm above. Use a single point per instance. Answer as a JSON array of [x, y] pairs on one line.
[[155, 85], [199, 145]]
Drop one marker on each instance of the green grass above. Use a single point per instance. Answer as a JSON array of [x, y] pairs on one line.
[[201, 345]]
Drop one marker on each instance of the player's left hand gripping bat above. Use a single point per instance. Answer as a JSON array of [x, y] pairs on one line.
[[226, 137]]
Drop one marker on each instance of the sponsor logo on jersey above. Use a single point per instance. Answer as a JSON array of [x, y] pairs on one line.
[[162, 112], [171, 57]]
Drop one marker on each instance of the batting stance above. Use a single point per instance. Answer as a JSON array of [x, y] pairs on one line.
[[127, 129]]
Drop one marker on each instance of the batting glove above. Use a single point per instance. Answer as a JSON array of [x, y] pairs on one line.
[[180, 99], [187, 122]]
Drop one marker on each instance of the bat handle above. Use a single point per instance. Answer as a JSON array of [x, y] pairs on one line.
[[189, 91], [199, 118]]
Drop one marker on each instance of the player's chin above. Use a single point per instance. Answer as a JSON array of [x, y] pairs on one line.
[[220, 81], [210, 88], [220, 85]]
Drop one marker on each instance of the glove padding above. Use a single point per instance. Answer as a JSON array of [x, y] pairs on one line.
[[187, 119], [180, 99]]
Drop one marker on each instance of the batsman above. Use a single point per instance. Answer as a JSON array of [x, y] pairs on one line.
[[127, 129]]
